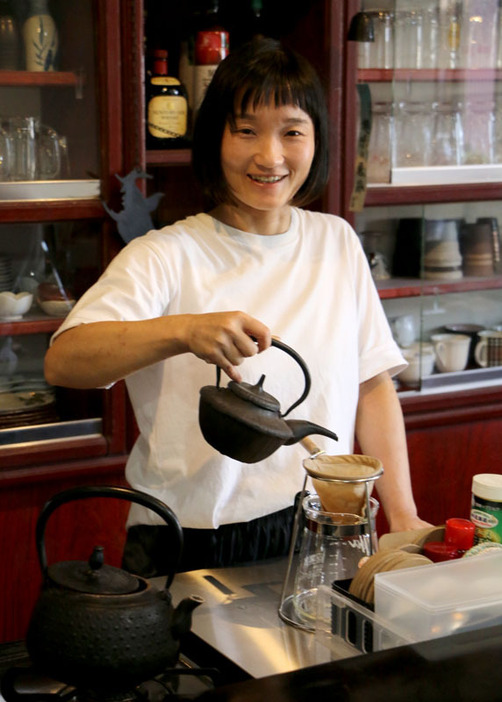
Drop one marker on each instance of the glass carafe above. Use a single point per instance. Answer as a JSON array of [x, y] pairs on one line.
[[332, 545]]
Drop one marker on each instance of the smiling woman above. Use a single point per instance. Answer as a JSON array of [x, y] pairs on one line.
[[215, 288]]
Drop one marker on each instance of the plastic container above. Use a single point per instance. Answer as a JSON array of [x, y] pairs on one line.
[[486, 507], [348, 627], [443, 598]]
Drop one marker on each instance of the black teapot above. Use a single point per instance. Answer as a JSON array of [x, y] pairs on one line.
[[244, 422], [97, 627]]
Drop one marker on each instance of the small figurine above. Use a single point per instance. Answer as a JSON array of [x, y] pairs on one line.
[[134, 219]]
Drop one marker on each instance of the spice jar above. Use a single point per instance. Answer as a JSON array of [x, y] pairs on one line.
[[486, 507]]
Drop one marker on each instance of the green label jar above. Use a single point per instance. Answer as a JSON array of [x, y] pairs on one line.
[[486, 507]]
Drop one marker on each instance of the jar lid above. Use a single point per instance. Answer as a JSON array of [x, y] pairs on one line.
[[488, 486]]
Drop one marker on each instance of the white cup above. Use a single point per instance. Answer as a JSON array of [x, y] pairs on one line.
[[420, 365], [452, 351]]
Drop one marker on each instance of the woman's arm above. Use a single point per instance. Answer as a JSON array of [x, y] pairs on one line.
[[380, 432], [97, 354]]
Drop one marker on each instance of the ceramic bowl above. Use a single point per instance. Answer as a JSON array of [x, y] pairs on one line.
[[14, 305], [420, 365], [56, 308]]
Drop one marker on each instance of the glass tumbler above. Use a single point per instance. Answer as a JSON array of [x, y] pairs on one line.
[[380, 52], [413, 131], [5, 155], [22, 132], [409, 39], [478, 117], [379, 150], [448, 138]]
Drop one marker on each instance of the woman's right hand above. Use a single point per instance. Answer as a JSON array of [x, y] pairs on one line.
[[100, 353], [226, 339]]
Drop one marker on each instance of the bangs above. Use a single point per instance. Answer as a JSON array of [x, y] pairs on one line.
[[268, 92]]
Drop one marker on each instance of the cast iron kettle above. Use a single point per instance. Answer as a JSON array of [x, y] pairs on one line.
[[244, 422], [97, 627]]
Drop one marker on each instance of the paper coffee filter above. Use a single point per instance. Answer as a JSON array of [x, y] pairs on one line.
[[340, 481]]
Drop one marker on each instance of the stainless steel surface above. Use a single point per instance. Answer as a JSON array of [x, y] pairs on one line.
[[50, 432], [240, 619]]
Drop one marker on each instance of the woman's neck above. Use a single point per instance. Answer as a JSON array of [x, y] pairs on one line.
[[256, 222]]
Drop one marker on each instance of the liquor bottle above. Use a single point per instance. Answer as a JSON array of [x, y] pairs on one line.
[[204, 44], [9, 38], [166, 107]]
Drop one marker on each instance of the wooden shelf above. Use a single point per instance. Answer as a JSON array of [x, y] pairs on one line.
[[377, 195], [394, 288], [31, 324], [427, 75], [34, 79], [50, 210]]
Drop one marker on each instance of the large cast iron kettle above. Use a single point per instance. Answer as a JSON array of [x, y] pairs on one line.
[[244, 422], [98, 627]]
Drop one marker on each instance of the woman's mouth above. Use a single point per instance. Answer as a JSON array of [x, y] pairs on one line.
[[266, 179]]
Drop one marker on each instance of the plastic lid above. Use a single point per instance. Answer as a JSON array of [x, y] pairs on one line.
[[459, 533], [488, 486], [438, 551]]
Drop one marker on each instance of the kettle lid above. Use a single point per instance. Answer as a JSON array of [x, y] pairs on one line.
[[94, 577], [255, 394]]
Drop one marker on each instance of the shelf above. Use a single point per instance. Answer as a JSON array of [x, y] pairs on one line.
[[394, 288], [380, 195], [176, 157], [36, 324], [427, 75], [34, 79], [50, 210]]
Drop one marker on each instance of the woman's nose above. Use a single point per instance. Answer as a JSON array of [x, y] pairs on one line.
[[269, 153]]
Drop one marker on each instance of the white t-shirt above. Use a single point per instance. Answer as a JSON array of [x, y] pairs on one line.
[[311, 286]]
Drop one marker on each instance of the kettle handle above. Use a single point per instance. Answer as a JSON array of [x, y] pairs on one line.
[[287, 349], [122, 493]]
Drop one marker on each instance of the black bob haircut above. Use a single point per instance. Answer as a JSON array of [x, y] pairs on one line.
[[260, 72]]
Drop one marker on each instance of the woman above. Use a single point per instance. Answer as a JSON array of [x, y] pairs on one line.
[[215, 288]]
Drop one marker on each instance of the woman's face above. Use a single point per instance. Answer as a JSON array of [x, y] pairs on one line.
[[266, 156]]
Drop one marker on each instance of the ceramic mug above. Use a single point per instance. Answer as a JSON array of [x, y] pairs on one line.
[[452, 351], [488, 351]]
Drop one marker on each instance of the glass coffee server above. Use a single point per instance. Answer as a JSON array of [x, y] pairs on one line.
[[428, 90], [60, 145]]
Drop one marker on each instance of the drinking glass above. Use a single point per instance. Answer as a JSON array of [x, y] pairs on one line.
[[447, 141], [478, 117], [409, 39], [48, 153], [379, 150], [413, 129], [378, 53], [430, 35], [22, 132], [5, 155]]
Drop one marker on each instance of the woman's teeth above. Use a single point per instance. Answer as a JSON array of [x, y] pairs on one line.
[[266, 179]]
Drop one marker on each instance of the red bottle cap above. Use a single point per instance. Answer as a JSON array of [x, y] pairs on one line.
[[439, 551], [459, 533], [211, 47]]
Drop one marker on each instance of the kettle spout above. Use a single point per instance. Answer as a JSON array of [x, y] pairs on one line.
[[302, 428], [182, 615]]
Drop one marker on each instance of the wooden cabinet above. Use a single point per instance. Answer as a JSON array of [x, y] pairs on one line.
[[83, 440]]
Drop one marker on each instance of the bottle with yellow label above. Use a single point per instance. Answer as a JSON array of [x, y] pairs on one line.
[[166, 107]]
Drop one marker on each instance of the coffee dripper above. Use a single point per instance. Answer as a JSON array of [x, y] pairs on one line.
[[332, 531]]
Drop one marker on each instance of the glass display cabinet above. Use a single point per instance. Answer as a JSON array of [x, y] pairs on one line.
[[60, 146], [426, 199]]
